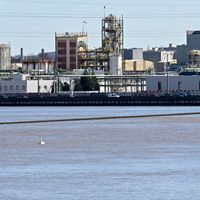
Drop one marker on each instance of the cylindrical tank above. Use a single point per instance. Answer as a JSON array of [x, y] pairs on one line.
[[5, 57], [116, 64]]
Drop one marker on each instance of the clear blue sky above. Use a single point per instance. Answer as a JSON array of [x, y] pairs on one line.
[[25, 23]]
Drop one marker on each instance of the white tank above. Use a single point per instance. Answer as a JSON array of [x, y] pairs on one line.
[[116, 64], [5, 57]]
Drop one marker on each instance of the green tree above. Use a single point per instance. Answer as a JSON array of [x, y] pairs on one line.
[[78, 86], [89, 83], [65, 87]]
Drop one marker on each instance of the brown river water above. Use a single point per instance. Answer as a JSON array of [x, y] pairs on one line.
[[124, 159]]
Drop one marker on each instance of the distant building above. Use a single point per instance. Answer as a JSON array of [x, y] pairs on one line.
[[133, 54], [182, 54], [132, 66], [67, 47], [44, 63], [193, 40], [161, 58], [5, 57], [24, 83], [171, 47], [158, 55], [194, 58]]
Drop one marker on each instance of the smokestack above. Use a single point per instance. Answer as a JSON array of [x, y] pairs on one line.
[[42, 53], [22, 54]]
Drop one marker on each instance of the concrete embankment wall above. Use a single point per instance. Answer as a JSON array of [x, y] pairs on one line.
[[100, 101]]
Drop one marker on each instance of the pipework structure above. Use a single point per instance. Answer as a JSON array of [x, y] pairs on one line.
[[113, 34], [112, 47]]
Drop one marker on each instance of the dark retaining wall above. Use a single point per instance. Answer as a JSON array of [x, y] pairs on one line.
[[98, 100]]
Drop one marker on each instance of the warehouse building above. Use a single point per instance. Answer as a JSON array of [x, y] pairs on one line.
[[24, 83]]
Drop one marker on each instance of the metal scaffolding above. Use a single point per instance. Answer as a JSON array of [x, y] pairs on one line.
[[112, 34], [112, 43]]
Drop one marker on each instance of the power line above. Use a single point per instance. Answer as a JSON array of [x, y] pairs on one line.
[[92, 36], [147, 31], [129, 16], [82, 3]]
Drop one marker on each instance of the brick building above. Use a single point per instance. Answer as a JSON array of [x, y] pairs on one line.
[[67, 47]]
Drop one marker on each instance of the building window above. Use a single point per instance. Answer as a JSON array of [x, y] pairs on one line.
[[179, 85], [72, 44], [159, 86], [45, 87], [17, 87], [62, 52], [23, 87], [0, 88], [11, 87], [61, 44], [62, 59], [73, 52]]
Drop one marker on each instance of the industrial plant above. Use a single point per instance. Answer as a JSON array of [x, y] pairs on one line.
[[108, 69]]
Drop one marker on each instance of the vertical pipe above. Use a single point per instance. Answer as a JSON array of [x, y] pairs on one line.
[[54, 66]]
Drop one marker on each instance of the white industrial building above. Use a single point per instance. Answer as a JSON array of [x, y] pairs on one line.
[[23, 83], [173, 83]]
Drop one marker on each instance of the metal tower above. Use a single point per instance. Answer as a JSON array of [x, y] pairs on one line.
[[112, 34]]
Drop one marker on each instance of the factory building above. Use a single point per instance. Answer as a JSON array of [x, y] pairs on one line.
[[193, 40], [5, 57], [155, 55], [182, 54], [173, 83], [161, 58], [138, 66], [109, 56], [43, 63], [194, 58], [24, 83], [67, 47], [133, 54]]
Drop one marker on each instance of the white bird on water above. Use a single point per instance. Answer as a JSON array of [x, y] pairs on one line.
[[41, 141]]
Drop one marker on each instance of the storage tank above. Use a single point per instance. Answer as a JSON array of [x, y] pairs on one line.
[[5, 57], [116, 64]]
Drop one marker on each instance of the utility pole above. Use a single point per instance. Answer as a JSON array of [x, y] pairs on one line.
[[22, 57], [104, 11], [167, 68]]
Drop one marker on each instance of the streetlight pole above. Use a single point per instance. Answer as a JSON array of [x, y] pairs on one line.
[[83, 26], [40, 67]]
